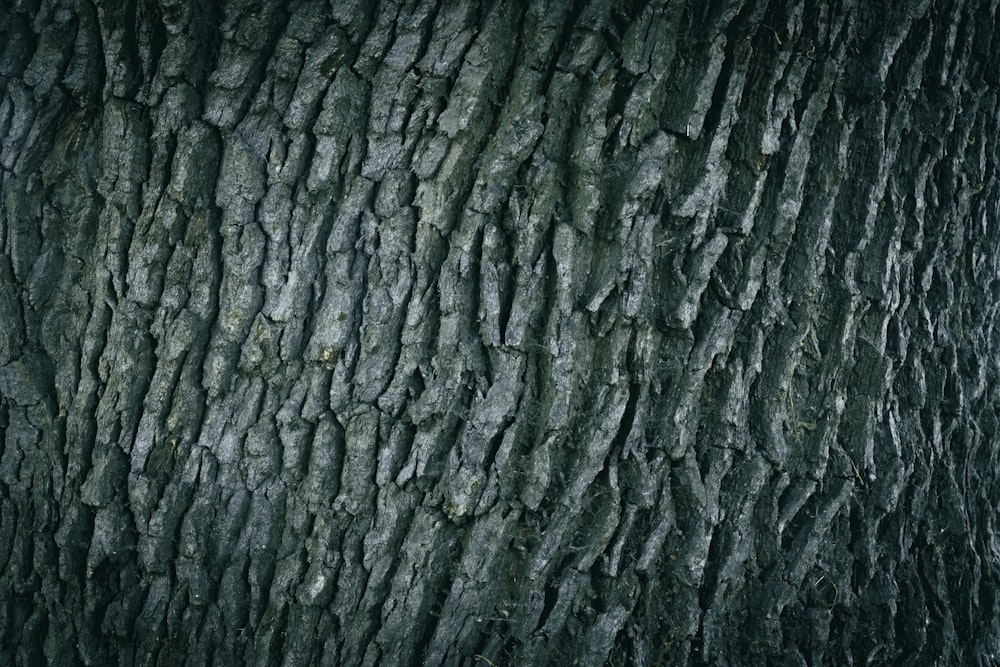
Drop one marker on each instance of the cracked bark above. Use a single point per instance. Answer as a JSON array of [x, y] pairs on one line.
[[441, 333]]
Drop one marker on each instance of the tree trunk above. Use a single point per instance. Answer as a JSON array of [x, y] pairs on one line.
[[624, 333]]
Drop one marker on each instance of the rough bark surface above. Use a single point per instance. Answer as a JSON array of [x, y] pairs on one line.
[[518, 333]]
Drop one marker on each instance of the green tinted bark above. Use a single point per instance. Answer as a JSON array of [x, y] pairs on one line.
[[514, 334]]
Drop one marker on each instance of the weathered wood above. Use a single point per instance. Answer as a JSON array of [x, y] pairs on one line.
[[525, 334]]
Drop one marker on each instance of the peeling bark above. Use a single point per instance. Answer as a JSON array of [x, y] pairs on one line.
[[524, 334]]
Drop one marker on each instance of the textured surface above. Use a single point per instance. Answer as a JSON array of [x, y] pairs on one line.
[[626, 333]]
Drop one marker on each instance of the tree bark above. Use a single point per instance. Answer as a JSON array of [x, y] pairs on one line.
[[502, 334]]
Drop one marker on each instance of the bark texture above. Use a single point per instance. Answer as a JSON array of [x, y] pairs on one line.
[[503, 333]]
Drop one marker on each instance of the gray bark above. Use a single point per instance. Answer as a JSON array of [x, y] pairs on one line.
[[512, 334]]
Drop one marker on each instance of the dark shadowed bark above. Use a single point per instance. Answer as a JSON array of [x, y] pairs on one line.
[[443, 333]]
